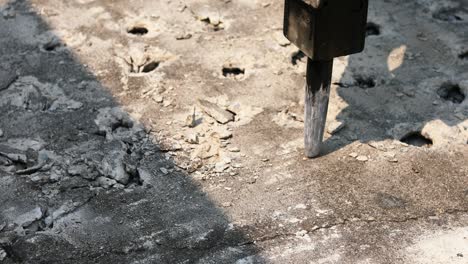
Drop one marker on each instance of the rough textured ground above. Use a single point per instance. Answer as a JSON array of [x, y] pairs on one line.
[[171, 132]]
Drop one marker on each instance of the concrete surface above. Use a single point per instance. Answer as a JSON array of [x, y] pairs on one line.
[[171, 132]]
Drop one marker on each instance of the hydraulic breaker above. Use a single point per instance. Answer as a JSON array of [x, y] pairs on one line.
[[323, 30]]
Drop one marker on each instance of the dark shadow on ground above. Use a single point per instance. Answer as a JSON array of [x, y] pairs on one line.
[[76, 191], [381, 96]]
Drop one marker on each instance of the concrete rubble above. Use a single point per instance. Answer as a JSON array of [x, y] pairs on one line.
[[220, 115]]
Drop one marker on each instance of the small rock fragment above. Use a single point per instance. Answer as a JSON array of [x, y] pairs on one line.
[[362, 158], [55, 176], [184, 35], [199, 176], [113, 166], [192, 138], [8, 13], [220, 115], [110, 119], [281, 39], [226, 204], [5, 162], [195, 164], [167, 103], [221, 166], [237, 165], [164, 170], [106, 182], [227, 160], [1, 132], [15, 157], [74, 105], [222, 133], [335, 127], [205, 151], [301, 233], [39, 179], [28, 218], [377, 145], [391, 157], [300, 206], [211, 18], [76, 170], [119, 186], [191, 120], [234, 149], [353, 155], [145, 176], [158, 98], [3, 254]]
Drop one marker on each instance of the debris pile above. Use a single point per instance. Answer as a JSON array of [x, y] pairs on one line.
[[30, 94], [203, 146]]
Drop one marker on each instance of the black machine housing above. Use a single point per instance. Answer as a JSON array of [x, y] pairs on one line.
[[325, 29]]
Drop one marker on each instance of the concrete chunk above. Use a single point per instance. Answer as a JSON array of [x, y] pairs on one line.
[[220, 115]]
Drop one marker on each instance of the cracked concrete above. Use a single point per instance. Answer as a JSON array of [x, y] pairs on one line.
[[107, 156]]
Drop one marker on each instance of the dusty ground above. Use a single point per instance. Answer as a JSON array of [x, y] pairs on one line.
[[171, 132]]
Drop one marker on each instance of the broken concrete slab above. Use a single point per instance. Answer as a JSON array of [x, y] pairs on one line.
[[219, 114], [113, 166]]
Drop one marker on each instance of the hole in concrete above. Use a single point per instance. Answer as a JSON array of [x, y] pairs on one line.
[[51, 46], [297, 56], [372, 29], [364, 82], [463, 55], [138, 30], [447, 15], [232, 71], [135, 178], [150, 67], [417, 139], [451, 92], [215, 24]]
